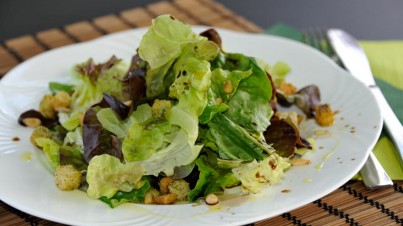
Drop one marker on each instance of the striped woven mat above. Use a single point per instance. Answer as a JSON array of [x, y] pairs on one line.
[[351, 204]]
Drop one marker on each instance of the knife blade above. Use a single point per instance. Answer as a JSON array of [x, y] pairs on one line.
[[355, 61]]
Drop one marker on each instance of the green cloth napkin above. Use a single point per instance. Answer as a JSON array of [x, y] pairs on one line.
[[386, 60]]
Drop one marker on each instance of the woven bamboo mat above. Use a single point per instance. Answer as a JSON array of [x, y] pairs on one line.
[[351, 204]]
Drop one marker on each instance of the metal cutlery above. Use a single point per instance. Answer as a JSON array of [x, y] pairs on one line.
[[345, 51]]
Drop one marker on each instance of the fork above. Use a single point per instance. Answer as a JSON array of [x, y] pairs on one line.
[[372, 173]]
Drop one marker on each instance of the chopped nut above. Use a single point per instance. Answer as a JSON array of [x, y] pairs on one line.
[[228, 88], [300, 162], [218, 100], [211, 199], [128, 103], [32, 122], [324, 115], [62, 109], [165, 199]]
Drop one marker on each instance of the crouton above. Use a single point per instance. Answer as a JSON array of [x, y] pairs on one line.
[[150, 195], [324, 115], [165, 199], [180, 188], [67, 177], [61, 101], [46, 108], [40, 132], [287, 88], [164, 182]]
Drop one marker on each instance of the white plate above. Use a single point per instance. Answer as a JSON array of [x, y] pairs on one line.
[[29, 187]]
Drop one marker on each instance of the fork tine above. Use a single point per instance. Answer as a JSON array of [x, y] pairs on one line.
[[310, 38], [317, 38], [324, 44]]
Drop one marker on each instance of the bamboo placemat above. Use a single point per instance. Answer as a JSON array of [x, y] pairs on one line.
[[351, 204]]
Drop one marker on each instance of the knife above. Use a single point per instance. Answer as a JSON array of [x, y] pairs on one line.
[[355, 61]]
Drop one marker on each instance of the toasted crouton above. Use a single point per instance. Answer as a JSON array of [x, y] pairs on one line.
[[180, 188], [324, 115], [67, 177], [164, 182], [165, 199]]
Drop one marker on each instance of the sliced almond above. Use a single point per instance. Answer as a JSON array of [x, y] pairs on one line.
[[211, 199], [32, 122], [300, 162]]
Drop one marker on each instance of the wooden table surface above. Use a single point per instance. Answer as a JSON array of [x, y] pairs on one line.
[[351, 204]]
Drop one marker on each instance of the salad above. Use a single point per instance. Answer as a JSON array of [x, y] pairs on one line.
[[183, 121]]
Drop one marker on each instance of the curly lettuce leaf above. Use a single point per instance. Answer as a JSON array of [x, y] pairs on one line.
[[167, 40], [163, 40], [179, 69], [91, 81], [163, 142], [142, 141], [256, 174], [278, 71], [178, 153], [107, 174]]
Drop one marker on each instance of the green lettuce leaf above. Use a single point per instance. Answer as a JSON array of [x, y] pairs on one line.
[[206, 175], [51, 150], [250, 104], [142, 142], [211, 179], [221, 78], [234, 142], [55, 87], [178, 153], [75, 138], [212, 107], [163, 40], [134, 196], [278, 71], [72, 155], [112, 122], [106, 175]]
